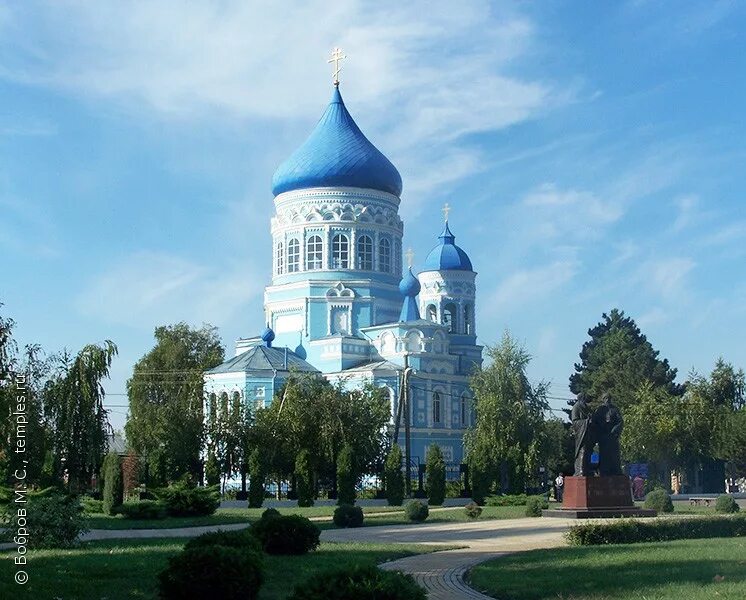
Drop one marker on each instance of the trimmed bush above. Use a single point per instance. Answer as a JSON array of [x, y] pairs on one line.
[[393, 477], [270, 513], [143, 509], [113, 487], [631, 531], [416, 511], [473, 510], [304, 478], [361, 583], [184, 501], [508, 500], [256, 479], [91, 506], [213, 571], [286, 534], [726, 504], [534, 506], [53, 521], [435, 468], [229, 539], [659, 500], [346, 515], [346, 477]]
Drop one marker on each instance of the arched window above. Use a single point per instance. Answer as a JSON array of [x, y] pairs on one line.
[[280, 258], [449, 317], [465, 411], [431, 312], [414, 342], [384, 255], [293, 256], [467, 320], [340, 252], [314, 253], [436, 407], [365, 253]]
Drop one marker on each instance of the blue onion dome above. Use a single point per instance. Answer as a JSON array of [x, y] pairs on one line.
[[337, 154], [409, 286], [268, 336], [447, 256]]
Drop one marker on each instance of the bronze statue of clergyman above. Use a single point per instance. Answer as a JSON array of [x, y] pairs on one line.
[[608, 423], [582, 427]]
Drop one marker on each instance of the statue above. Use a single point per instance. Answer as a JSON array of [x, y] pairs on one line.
[[608, 423], [582, 427]]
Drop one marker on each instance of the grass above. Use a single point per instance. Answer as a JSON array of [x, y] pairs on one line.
[[223, 516], [691, 569], [128, 569]]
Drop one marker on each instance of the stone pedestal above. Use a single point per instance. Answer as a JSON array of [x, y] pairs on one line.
[[589, 497]]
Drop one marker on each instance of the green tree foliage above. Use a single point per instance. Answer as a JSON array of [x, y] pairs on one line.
[[618, 359], [113, 494], [508, 435], [481, 473], [435, 468], [74, 406], [304, 478], [212, 469], [346, 476], [256, 479], [558, 452], [165, 423], [393, 477]]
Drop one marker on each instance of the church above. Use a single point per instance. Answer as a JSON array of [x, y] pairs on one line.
[[338, 305]]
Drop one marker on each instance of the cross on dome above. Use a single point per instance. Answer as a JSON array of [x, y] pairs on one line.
[[410, 257], [335, 58], [446, 210]]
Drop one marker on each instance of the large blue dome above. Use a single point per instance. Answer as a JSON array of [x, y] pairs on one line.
[[447, 256], [337, 154]]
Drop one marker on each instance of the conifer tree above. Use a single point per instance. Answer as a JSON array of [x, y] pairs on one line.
[[393, 477], [435, 470], [346, 477]]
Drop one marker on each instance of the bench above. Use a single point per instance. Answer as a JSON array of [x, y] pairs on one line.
[[701, 501]]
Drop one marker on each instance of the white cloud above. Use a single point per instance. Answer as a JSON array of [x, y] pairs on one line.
[[530, 285], [667, 277]]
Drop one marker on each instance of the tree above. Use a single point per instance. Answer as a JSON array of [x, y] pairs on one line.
[[558, 451], [618, 359], [435, 468], [113, 486], [74, 406], [346, 476], [165, 422], [256, 479], [481, 473], [509, 426], [212, 470], [393, 477], [304, 478], [130, 474]]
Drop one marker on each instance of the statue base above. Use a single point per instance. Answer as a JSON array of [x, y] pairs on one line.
[[598, 497]]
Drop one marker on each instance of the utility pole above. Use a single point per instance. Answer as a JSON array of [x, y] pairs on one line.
[[407, 419]]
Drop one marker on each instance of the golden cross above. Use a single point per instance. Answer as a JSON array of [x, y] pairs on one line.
[[336, 57], [446, 210], [410, 257]]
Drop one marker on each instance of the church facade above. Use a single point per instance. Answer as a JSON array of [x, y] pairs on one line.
[[338, 306]]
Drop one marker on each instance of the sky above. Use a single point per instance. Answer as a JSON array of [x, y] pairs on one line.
[[592, 153]]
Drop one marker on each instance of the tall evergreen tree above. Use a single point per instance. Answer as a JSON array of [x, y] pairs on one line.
[[393, 477], [165, 422], [618, 359], [435, 469]]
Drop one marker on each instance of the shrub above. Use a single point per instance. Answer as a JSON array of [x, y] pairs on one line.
[[480, 475], [286, 534], [229, 539], [184, 501], [256, 479], [360, 582], [534, 506], [630, 531], [270, 513], [346, 515], [53, 521], [393, 477], [416, 511], [346, 477], [304, 478], [507, 500], [659, 500], [213, 571], [113, 490], [436, 475], [91, 505], [726, 504], [473, 510], [143, 509]]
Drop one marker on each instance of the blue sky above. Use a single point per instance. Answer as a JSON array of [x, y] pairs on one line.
[[592, 153]]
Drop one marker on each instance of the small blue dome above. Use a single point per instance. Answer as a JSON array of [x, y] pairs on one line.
[[337, 154], [268, 336], [409, 285], [447, 256]]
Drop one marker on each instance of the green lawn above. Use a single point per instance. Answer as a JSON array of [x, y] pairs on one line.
[[685, 569], [128, 569], [318, 511], [223, 516]]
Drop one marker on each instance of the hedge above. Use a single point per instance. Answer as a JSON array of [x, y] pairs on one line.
[[365, 582], [631, 531]]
